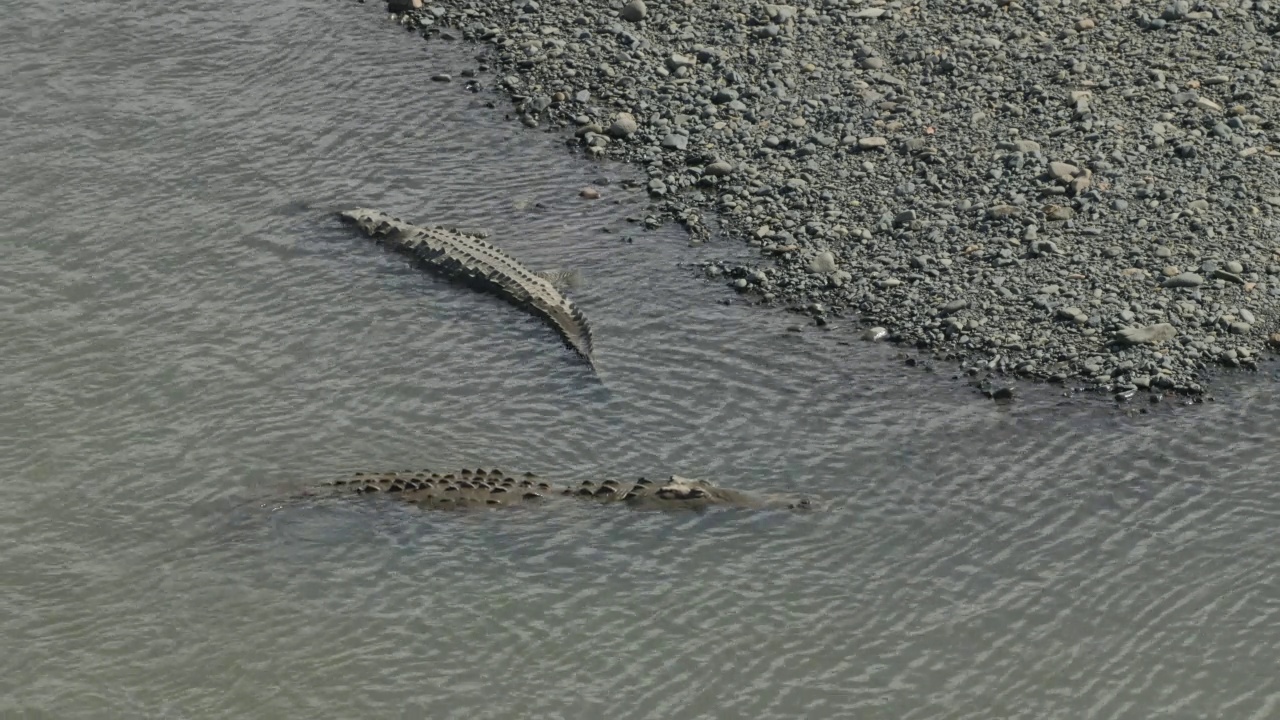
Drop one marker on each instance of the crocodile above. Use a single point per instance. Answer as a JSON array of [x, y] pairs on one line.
[[483, 266], [462, 489]]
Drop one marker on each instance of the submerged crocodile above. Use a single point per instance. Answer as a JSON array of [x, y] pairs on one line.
[[494, 488], [483, 266]]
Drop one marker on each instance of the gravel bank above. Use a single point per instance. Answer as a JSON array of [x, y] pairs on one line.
[[1080, 192]]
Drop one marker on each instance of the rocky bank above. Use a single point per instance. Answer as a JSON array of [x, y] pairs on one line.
[[1080, 192]]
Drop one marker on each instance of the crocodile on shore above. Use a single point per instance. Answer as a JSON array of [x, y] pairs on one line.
[[483, 266], [494, 488]]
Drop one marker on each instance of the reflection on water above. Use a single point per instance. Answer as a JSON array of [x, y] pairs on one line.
[[189, 337]]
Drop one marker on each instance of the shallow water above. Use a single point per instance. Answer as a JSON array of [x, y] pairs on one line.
[[189, 338]]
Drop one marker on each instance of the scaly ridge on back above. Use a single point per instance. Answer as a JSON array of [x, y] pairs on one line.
[[482, 265], [460, 489]]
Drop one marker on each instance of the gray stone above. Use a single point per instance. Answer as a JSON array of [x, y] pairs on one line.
[[676, 60], [1222, 274], [822, 263], [1184, 280], [675, 141], [634, 11], [1072, 314], [1045, 247], [719, 168], [624, 125], [724, 95], [1149, 335], [1062, 171]]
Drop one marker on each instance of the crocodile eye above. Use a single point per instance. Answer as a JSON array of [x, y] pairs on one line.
[[697, 493]]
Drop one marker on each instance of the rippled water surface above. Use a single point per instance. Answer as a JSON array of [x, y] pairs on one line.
[[188, 338]]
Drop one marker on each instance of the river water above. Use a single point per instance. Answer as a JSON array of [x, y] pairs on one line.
[[188, 338]]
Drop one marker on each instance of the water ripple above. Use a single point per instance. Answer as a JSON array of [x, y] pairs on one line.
[[191, 338]]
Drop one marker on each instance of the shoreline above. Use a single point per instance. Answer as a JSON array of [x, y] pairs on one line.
[[1083, 195]]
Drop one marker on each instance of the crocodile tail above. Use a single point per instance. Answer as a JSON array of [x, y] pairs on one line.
[[588, 343]]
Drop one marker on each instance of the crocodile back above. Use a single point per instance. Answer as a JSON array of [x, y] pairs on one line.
[[482, 265]]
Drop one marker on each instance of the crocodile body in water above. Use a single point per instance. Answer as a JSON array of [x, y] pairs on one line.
[[494, 488], [478, 263]]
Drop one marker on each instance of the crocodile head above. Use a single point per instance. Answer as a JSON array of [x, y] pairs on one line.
[[372, 222], [682, 492]]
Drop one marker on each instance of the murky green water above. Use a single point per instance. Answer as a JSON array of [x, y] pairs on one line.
[[188, 338]]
